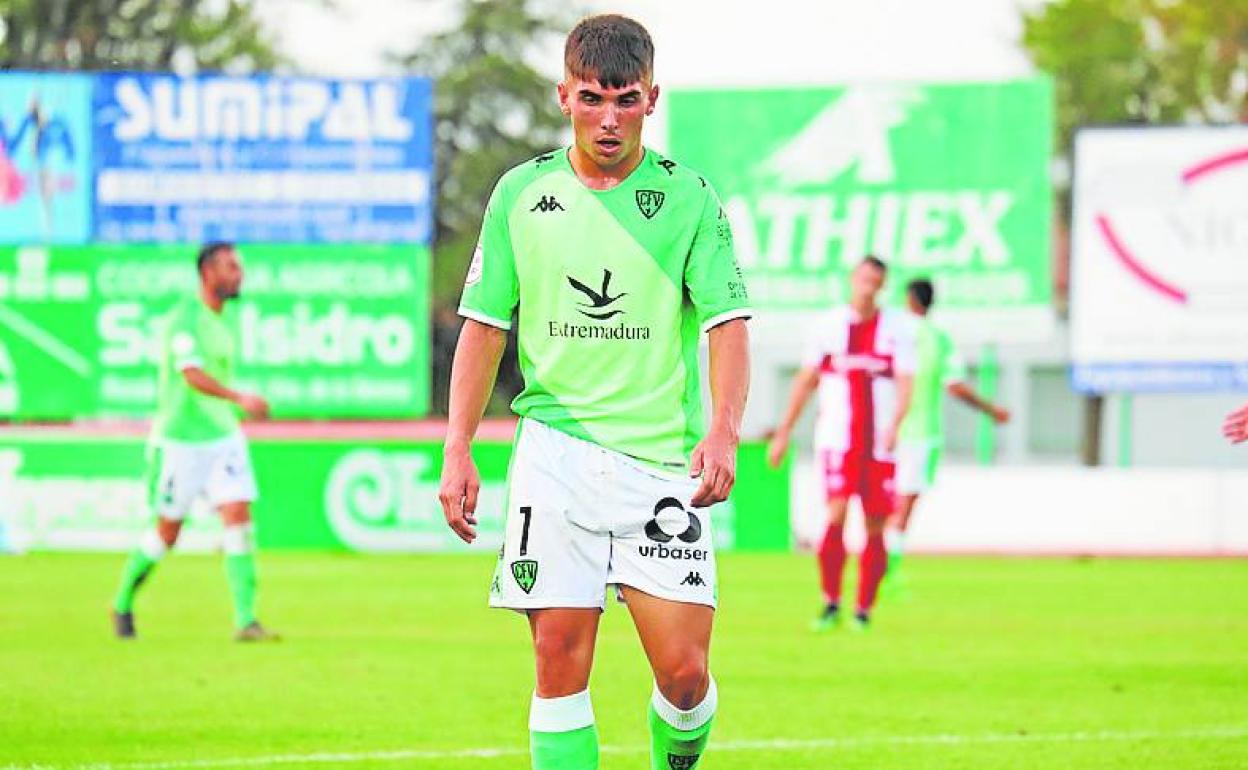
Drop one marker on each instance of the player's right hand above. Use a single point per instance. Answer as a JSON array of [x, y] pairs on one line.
[[458, 492], [777, 448], [1000, 415], [1235, 428], [255, 407]]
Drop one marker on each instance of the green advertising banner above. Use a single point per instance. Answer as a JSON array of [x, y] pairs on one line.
[[322, 331], [946, 181], [64, 492]]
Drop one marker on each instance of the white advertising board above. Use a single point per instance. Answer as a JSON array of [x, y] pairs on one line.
[[1159, 283]]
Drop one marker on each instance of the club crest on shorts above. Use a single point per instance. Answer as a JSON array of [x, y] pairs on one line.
[[682, 762], [649, 202], [525, 573]]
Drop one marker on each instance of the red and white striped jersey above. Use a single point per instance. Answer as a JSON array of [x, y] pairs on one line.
[[857, 361]]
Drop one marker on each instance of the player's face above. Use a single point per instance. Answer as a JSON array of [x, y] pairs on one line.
[[606, 122], [865, 282], [225, 274]]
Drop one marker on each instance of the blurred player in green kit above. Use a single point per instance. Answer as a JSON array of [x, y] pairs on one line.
[[197, 447], [922, 436]]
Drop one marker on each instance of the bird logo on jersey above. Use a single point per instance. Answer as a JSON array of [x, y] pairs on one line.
[[599, 301]]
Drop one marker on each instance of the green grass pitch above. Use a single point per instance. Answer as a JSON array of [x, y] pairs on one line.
[[394, 662]]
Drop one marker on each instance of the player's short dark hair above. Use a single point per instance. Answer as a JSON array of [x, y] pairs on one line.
[[875, 262], [209, 252], [609, 48], [923, 292]]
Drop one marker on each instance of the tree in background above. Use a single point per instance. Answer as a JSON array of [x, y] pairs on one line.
[[1142, 61], [1135, 61], [133, 34], [492, 110]]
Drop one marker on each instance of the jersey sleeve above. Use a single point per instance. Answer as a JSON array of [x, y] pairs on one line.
[[816, 345], [185, 346], [491, 291], [712, 276]]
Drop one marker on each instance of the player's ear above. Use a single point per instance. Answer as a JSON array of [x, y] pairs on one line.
[[654, 99], [564, 105]]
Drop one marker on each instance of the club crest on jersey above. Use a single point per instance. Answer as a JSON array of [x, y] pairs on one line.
[[682, 762], [649, 202], [525, 573]]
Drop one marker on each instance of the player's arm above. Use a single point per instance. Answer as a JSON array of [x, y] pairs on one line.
[[491, 295], [475, 366], [1235, 428], [905, 388], [254, 406], [964, 393], [715, 457], [804, 383]]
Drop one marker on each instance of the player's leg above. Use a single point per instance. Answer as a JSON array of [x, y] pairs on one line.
[[917, 462], [232, 488], [677, 638], [238, 547], [878, 503], [555, 570], [562, 733], [838, 472], [174, 477]]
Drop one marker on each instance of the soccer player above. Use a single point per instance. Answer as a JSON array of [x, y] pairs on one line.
[[861, 360], [616, 259], [939, 368], [1235, 428], [196, 447]]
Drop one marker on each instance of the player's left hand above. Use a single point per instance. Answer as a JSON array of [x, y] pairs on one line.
[[1000, 415], [715, 460], [890, 440], [1235, 428]]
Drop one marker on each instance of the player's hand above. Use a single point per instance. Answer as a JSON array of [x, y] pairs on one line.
[[715, 460], [777, 448], [890, 439], [1235, 428], [458, 493], [1000, 415], [255, 407]]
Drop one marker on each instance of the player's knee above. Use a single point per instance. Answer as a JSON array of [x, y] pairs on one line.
[[560, 647], [684, 683], [168, 530]]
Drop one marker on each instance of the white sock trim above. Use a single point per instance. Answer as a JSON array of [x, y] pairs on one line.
[[686, 720], [561, 715], [895, 540], [236, 539], [152, 546]]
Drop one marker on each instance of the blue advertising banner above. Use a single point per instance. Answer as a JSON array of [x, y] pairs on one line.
[[262, 159], [45, 158]]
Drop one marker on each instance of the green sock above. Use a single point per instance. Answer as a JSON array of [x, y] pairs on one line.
[[674, 747], [896, 542], [140, 564], [240, 573], [562, 735]]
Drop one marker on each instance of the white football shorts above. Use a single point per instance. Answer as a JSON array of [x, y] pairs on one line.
[[581, 518], [180, 471]]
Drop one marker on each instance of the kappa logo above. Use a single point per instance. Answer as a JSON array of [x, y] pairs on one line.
[[599, 301], [525, 573], [546, 204], [668, 165], [540, 159], [851, 132], [693, 579], [682, 761], [692, 531], [649, 202]]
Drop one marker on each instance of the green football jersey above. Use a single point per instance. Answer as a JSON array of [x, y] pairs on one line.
[[193, 336], [939, 366], [611, 289]]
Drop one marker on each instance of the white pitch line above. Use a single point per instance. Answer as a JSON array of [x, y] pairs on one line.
[[44, 340], [782, 744]]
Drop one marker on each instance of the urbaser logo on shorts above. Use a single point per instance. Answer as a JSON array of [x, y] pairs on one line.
[[692, 532], [682, 761]]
